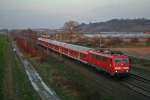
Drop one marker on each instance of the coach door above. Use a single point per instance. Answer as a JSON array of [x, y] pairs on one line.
[[109, 64]]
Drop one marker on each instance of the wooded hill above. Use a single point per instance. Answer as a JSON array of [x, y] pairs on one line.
[[117, 25]]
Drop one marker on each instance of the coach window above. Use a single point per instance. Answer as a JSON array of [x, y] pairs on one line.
[[98, 57], [65, 49], [105, 59], [93, 56], [82, 55], [109, 60], [71, 51], [101, 58]]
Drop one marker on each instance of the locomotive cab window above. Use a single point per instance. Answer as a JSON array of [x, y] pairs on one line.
[[101, 58], [122, 60]]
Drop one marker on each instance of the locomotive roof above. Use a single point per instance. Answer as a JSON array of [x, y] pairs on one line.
[[78, 47], [66, 45]]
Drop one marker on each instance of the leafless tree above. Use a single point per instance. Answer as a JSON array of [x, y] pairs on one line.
[[71, 27], [70, 30], [114, 42], [134, 40]]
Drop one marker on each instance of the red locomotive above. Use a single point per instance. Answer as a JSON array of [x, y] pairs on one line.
[[110, 61]]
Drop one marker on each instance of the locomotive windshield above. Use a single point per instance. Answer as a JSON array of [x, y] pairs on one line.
[[122, 60]]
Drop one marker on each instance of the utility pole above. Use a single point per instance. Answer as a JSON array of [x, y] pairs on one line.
[[100, 40]]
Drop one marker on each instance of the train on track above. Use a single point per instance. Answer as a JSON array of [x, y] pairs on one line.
[[113, 62]]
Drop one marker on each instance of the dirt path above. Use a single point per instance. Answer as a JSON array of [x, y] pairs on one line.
[[42, 89]]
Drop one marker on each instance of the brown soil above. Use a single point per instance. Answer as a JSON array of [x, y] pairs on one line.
[[144, 51]]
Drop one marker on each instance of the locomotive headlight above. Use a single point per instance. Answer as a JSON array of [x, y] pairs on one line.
[[110, 65], [117, 68], [125, 67]]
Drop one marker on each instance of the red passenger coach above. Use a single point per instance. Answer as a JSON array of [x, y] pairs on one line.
[[108, 60]]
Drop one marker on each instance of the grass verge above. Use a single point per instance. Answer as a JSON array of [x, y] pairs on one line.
[[14, 83], [68, 83]]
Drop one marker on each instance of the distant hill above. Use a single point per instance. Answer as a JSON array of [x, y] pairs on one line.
[[117, 25], [3, 30]]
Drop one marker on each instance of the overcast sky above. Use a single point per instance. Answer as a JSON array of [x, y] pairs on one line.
[[54, 13]]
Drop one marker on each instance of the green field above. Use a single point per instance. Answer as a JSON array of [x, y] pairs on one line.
[[14, 84]]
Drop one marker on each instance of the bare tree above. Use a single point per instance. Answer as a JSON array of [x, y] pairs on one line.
[[147, 42], [134, 41], [71, 27], [70, 30], [114, 42]]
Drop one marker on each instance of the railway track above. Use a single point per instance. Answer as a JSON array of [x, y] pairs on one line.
[[134, 82], [93, 75], [138, 84]]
